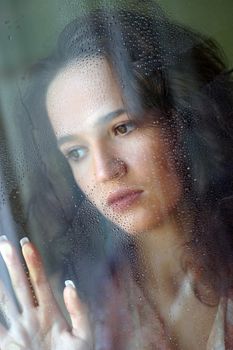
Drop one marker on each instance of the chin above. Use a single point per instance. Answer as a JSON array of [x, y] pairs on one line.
[[137, 222]]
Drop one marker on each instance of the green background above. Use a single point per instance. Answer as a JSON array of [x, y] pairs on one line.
[[28, 28]]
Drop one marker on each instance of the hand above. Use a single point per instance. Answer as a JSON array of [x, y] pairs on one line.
[[40, 324]]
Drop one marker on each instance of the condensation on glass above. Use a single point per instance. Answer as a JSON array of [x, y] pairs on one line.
[[116, 177]]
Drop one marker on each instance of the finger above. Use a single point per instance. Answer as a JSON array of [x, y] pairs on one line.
[[17, 274], [38, 277], [3, 332], [77, 311]]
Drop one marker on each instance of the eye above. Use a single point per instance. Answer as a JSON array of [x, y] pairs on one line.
[[124, 128], [76, 154]]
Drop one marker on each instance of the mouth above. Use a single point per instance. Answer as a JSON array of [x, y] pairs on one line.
[[123, 199]]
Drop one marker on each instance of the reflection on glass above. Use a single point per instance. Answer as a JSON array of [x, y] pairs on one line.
[[140, 109]]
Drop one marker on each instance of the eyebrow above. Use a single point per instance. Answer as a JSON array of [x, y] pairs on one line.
[[100, 122]]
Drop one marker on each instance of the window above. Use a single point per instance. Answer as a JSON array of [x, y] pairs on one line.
[[116, 175]]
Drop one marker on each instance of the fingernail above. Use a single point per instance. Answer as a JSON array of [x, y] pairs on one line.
[[3, 238], [69, 283], [23, 241]]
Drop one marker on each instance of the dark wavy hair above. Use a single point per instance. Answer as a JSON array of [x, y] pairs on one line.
[[163, 66]]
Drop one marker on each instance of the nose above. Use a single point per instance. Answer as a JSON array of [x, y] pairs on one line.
[[108, 167]]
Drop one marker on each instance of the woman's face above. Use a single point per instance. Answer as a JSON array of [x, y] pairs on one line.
[[126, 170]]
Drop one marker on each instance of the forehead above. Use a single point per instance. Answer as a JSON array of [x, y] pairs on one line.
[[80, 93]]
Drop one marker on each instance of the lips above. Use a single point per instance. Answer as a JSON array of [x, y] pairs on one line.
[[123, 199]]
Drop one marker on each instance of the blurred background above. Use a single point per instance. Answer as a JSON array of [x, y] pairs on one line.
[[28, 28]]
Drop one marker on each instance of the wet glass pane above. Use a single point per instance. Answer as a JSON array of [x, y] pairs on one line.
[[116, 187]]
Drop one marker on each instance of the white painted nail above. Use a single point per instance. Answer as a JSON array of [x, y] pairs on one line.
[[69, 283], [3, 238], [23, 241]]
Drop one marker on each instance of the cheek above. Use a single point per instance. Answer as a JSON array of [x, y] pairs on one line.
[[85, 181], [82, 180], [145, 157], [155, 165]]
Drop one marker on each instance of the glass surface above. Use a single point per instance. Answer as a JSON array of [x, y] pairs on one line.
[[116, 187]]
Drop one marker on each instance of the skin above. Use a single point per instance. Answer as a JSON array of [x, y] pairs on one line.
[[107, 152], [39, 324]]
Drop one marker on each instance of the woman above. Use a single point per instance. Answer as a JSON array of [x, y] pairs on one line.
[[142, 110]]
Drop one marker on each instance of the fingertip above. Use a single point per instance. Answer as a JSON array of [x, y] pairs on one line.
[[27, 246], [6, 248], [30, 253], [69, 291], [77, 311], [28, 250], [70, 294]]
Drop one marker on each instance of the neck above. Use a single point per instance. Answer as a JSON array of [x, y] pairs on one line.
[[160, 252], [168, 288]]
